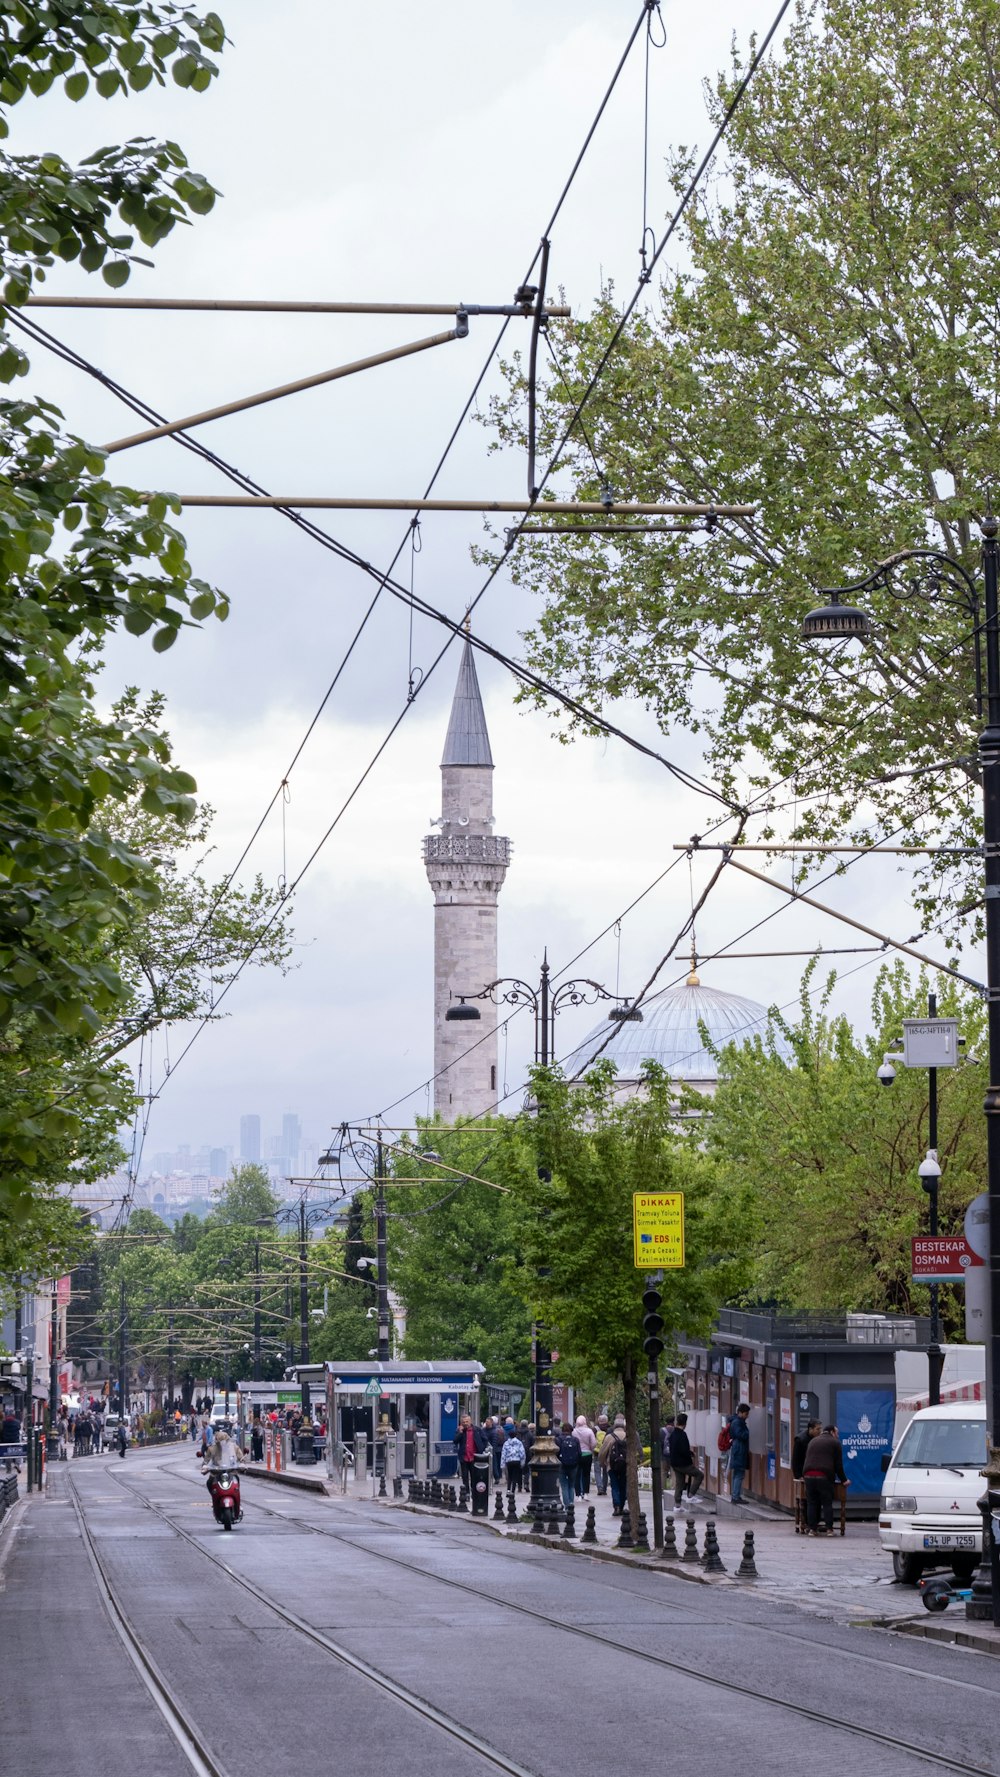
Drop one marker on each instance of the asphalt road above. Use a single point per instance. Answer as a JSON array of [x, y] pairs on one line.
[[636, 1668]]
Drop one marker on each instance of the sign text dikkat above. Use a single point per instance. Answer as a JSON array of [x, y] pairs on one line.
[[658, 1230]]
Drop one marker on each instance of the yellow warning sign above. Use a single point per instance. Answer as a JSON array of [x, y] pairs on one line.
[[658, 1230]]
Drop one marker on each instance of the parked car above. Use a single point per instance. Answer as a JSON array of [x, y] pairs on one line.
[[928, 1516]]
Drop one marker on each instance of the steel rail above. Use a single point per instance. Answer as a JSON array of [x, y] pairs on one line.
[[399, 1692], [202, 1761], [941, 1761]]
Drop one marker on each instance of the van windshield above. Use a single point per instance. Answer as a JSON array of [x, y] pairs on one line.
[[942, 1443]]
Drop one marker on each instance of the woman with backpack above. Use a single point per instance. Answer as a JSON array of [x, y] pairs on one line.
[[569, 1464]]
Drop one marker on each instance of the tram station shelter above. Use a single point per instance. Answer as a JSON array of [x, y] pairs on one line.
[[840, 1369], [403, 1397]]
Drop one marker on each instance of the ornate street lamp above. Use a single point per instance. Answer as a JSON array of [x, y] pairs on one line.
[[932, 575], [545, 1003]]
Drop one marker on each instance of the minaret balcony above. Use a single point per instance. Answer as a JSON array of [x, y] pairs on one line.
[[466, 848]]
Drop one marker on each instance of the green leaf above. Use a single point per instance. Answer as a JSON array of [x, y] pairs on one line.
[[117, 273], [76, 85], [164, 639]]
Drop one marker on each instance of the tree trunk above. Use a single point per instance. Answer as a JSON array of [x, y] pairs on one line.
[[632, 1437]]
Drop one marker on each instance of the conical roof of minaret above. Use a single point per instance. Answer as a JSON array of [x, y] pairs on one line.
[[467, 741]]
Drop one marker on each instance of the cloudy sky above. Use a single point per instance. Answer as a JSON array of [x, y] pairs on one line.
[[392, 155]]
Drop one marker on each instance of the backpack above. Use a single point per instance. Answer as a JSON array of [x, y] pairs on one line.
[[725, 1440], [618, 1460], [569, 1452]]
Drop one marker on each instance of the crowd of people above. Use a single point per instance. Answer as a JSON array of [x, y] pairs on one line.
[[595, 1452]]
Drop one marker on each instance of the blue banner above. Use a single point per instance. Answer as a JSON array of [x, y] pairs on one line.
[[864, 1420]]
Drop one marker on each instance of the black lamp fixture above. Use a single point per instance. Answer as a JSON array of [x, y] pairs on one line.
[[463, 1011], [836, 622], [625, 1015]]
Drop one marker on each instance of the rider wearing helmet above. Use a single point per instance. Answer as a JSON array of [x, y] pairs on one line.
[[222, 1453]]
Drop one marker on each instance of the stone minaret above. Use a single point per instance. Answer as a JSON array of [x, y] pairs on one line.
[[466, 866]]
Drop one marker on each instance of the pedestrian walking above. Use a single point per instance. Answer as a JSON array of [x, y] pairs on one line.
[[688, 1477], [601, 1473], [739, 1451], [470, 1440], [569, 1463], [587, 1440], [822, 1468], [512, 1459], [257, 1439], [614, 1462], [97, 1433], [121, 1437]]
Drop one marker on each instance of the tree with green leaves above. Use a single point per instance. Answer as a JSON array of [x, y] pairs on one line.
[[573, 1166], [454, 1253], [80, 558], [817, 1162], [348, 1292], [828, 353]]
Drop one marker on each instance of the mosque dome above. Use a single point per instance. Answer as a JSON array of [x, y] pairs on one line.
[[669, 1034]]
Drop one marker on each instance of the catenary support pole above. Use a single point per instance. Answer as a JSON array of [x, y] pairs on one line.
[[935, 1356], [381, 1252], [985, 1601], [303, 1302]]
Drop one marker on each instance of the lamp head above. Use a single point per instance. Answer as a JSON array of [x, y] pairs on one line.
[[462, 1013], [625, 1015], [835, 622]]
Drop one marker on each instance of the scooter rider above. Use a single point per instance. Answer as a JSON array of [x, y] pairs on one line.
[[224, 1453]]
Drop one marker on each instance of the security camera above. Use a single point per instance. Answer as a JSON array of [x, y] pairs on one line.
[[370, 1313], [363, 1264], [886, 1073], [314, 1314], [374, 1351]]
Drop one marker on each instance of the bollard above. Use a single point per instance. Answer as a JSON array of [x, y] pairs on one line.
[[552, 1527], [747, 1569], [435, 1493], [569, 1528], [498, 1507], [511, 1509], [590, 1528], [381, 1485], [641, 1535], [397, 1486], [670, 1551], [625, 1532], [461, 1504], [690, 1543], [455, 1502], [711, 1559]]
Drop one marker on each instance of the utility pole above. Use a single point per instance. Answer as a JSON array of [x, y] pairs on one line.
[[170, 1359], [384, 1344], [303, 1302], [53, 1369], [122, 1404], [256, 1308], [30, 1432], [935, 1356]]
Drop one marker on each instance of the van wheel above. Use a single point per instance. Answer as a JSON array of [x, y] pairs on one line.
[[907, 1568]]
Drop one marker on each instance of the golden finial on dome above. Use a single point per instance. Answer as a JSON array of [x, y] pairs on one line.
[[694, 979]]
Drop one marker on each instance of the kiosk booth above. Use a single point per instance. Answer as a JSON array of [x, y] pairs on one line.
[[407, 1413]]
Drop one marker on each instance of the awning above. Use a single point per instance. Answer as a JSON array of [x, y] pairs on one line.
[[957, 1391]]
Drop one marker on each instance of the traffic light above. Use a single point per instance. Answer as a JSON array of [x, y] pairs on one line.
[[652, 1323]]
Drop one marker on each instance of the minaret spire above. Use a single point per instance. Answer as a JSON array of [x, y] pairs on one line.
[[466, 865]]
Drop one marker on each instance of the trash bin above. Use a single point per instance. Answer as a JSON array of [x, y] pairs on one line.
[[482, 1474]]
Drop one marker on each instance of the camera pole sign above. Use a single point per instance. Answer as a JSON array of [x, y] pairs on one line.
[[658, 1230]]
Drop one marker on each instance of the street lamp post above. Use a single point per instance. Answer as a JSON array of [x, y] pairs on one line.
[[545, 1003], [946, 580]]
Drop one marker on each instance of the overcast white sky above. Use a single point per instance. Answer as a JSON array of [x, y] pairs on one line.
[[392, 155]]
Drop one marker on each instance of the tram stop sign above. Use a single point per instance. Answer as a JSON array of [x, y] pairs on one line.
[[374, 1388], [658, 1230]]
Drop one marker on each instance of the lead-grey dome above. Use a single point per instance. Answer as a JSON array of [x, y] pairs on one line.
[[669, 1034]]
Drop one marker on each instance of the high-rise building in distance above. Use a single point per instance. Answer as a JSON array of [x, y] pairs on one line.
[[250, 1138], [291, 1139]]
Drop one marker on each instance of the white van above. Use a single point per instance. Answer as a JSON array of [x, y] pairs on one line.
[[928, 1515]]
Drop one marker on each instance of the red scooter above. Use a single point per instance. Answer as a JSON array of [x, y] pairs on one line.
[[224, 1487]]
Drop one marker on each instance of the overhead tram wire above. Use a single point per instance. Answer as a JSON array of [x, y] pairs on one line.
[[547, 475]]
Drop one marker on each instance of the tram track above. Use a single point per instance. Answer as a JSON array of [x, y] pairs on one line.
[[203, 1761], [802, 1711]]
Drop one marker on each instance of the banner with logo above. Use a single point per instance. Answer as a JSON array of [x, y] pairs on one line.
[[864, 1418]]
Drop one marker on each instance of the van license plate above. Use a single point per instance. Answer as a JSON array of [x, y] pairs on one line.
[[949, 1542]]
